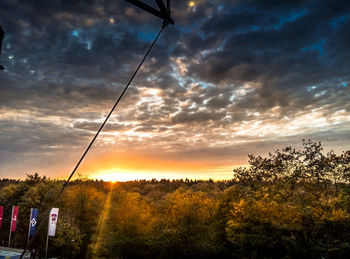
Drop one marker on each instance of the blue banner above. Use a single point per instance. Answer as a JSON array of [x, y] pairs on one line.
[[33, 221]]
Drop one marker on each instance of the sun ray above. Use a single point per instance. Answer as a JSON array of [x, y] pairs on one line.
[[97, 245]]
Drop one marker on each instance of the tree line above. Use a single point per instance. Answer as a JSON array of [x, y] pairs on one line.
[[290, 204]]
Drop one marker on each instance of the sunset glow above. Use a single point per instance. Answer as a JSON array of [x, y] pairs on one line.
[[119, 167]]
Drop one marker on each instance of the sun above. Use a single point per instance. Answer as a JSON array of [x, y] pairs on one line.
[[115, 175], [109, 177]]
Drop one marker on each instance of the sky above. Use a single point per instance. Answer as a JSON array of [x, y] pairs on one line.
[[230, 78]]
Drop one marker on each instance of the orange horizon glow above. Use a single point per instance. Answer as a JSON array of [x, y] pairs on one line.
[[128, 167]]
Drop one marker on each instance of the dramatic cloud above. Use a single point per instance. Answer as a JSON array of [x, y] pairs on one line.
[[230, 78]]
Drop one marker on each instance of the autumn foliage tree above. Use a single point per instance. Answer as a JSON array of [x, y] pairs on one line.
[[291, 204]]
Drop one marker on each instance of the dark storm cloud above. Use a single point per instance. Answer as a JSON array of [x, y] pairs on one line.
[[284, 47], [38, 136], [225, 67], [186, 117], [94, 126]]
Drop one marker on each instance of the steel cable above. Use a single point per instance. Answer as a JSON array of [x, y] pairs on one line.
[[93, 140]]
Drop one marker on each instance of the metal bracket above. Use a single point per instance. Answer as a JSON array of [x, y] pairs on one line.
[[163, 13]]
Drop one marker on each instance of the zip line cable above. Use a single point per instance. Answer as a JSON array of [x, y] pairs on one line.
[[165, 24]]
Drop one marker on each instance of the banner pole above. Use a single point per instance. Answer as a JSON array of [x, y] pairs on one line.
[[1, 215], [11, 227], [47, 240], [30, 217], [47, 245]]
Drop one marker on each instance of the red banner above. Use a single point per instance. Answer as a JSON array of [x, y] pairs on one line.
[[14, 218], [1, 213]]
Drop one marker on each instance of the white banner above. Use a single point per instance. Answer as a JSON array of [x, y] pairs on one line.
[[53, 222]]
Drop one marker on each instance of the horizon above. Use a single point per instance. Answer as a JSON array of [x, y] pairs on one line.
[[230, 78]]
